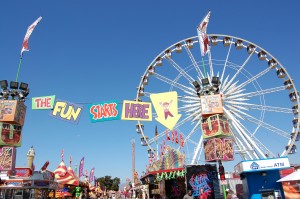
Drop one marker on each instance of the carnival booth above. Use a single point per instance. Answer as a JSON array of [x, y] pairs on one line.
[[260, 177], [67, 180], [24, 182], [290, 182], [165, 177]]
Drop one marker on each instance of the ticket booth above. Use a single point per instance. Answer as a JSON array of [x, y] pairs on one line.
[[260, 177]]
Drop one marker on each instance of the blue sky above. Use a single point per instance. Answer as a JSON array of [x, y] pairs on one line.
[[94, 51]]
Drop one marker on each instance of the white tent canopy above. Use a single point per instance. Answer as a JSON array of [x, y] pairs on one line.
[[295, 176]]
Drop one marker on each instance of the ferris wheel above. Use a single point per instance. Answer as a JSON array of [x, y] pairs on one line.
[[258, 96]]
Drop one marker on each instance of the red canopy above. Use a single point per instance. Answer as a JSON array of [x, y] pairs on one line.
[[64, 176]]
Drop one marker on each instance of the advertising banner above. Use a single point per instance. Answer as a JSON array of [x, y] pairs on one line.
[[12, 111], [104, 111], [211, 104], [133, 110], [215, 126], [66, 111], [7, 158], [203, 181], [42, 103], [11, 134], [218, 149]]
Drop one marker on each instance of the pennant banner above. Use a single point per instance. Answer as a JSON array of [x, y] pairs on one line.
[[91, 179], [104, 111], [81, 167], [25, 46], [202, 36]]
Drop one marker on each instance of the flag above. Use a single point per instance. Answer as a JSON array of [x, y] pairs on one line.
[[25, 46], [173, 136], [156, 131], [202, 36], [92, 175], [176, 137], [81, 167], [181, 140], [167, 134], [62, 154], [70, 159]]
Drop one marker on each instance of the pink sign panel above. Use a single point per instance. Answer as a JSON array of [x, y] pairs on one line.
[[218, 149], [7, 158]]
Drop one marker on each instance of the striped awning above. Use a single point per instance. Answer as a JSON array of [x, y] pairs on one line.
[[63, 176]]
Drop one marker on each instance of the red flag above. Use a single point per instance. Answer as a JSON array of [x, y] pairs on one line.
[[173, 136], [70, 159], [25, 46], [92, 175], [202, 36], [167, 134], [181, 140], [81, 167], [176, 137]]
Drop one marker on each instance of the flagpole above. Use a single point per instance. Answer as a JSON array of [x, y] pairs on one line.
[[20, 63], [203, 67]]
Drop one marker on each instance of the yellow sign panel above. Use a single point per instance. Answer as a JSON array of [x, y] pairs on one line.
[[133, 110], [166, 107]]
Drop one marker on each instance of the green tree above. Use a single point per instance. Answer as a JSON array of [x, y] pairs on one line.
[[109, 183]]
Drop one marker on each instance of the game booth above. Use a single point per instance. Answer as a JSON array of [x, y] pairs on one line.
[[165, 177]]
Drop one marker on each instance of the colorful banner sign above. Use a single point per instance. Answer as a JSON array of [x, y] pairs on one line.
[[41, 103], [11, 134], [211, 104], [261, 165], [203, 181], [133, 110], [218, 149], [23, 172], [166, 107], [12, 111], [7, 158], [66, 111], [104, 111]]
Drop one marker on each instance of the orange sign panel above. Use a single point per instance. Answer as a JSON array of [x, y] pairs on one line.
[[211, 104], [12, 111]]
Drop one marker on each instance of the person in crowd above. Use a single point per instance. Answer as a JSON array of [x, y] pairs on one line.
[[188, 195]]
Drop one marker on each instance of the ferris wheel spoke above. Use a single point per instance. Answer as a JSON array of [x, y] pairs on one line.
[[249, 81], [193, 61], [263, 124], [237, 72], [176, 84], [247, 106], [225, 64], [256, 93], [180, 70], [197, 150], [197, 125], [247, 139]]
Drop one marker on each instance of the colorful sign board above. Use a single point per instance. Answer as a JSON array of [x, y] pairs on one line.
[[66, 111], [104, 111], [41, 103], [133, 110], [11, 134], [218, 149], [23, 172], [262, 164], [12, 111], [166, 107], [215, 126], [7, 158], [211, 104]]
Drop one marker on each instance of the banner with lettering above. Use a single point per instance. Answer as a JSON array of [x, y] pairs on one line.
[[41, 103], [104, 111], [133, 110], [66, 111]]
